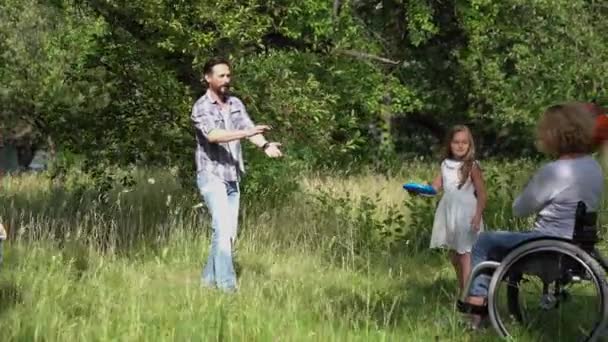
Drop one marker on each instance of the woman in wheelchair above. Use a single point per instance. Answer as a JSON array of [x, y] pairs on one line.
[[565, 133]]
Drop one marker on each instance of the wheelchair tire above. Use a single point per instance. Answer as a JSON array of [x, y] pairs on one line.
[[592, 266]]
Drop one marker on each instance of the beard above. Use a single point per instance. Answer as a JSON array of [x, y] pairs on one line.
[[223, 90]]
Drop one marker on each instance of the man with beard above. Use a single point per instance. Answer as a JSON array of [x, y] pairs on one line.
[[221, 122]]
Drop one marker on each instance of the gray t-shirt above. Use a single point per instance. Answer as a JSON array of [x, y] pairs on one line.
[[555, 190]]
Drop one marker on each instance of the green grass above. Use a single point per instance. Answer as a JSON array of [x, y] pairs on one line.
[[81, 269], [75, 293]]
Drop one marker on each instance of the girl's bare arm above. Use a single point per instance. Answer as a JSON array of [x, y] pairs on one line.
[[480, 189], [437, 183]]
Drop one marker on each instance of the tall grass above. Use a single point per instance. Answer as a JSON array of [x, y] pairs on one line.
[[342, 259]]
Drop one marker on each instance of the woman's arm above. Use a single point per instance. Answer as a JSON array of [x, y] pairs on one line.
[[536, 194]]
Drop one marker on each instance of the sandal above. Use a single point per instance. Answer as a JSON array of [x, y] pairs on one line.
[[468, 308]]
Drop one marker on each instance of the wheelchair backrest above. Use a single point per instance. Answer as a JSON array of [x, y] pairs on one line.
[[585, 227]]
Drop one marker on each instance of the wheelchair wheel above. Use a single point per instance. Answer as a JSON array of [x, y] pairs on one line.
[[549, 290]]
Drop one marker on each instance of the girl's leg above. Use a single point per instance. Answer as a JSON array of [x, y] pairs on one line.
[[464, 261], [464, 271], [455, 259]]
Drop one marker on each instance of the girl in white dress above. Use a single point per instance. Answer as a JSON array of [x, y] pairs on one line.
[[458, 219]]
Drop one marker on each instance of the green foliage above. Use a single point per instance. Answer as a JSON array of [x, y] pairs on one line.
[[268, 184], [420, 22], [44, 78], [310, 105], [147, 121], [522, 56], [358, 229], [114, 81]]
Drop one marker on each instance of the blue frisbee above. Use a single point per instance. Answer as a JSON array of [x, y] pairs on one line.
[[422, 189]]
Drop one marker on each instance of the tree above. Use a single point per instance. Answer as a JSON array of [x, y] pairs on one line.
[[45, 85], [342, 81]]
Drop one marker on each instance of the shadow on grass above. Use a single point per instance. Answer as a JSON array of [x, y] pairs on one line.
[[244, 267], [76, 257], [422, 299], [10, 295], [386, 306]]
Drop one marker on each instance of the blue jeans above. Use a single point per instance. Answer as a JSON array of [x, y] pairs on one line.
[[486, 242], [222, 200]]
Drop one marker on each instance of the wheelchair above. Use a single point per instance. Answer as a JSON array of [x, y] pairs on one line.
[[549, 288]]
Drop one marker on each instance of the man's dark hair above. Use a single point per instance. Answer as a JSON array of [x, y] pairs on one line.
[[213, 62]]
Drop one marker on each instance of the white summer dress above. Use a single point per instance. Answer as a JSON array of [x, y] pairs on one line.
[[452, 225]]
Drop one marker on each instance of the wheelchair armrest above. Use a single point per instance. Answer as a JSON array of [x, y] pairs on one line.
[[585, 227]]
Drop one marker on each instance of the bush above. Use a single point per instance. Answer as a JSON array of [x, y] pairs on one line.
[[268, 182]]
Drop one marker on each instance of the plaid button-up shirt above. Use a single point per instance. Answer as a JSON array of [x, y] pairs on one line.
[[223, 160]]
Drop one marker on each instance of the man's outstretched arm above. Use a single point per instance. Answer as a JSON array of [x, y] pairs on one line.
[[204, 122], [218, 135]]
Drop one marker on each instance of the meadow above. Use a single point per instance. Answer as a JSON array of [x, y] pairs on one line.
[[342, 258]]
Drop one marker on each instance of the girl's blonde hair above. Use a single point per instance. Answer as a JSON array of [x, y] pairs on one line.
[[469, 158], [566, 128]]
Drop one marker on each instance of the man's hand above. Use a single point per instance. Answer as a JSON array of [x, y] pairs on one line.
[[272, 150], [259, 129]]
